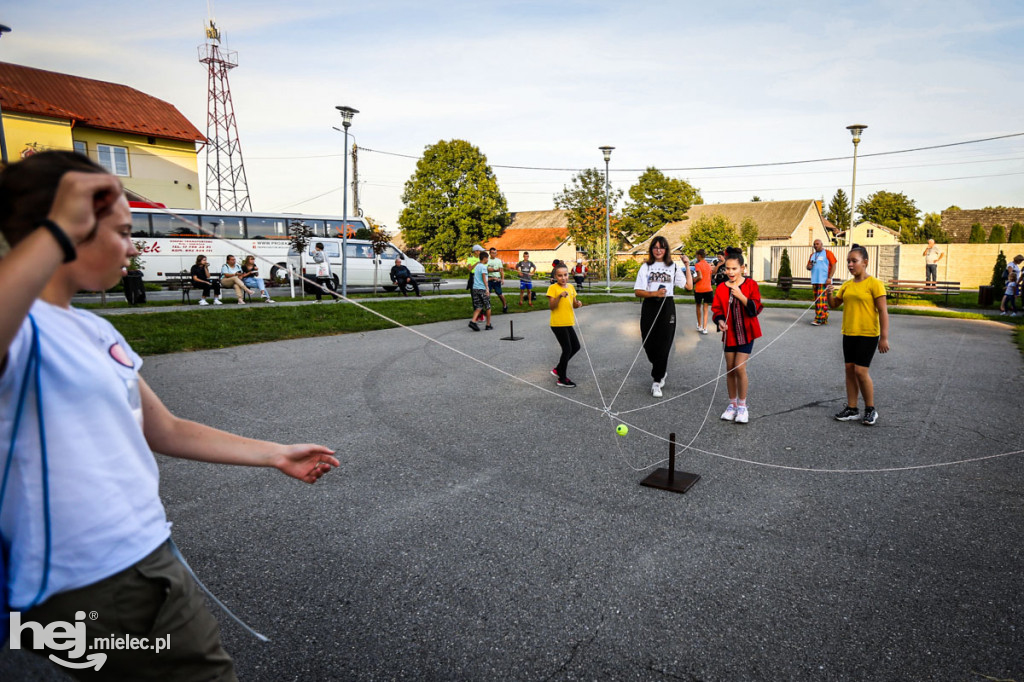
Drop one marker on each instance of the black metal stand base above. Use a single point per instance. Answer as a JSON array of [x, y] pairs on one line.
[[670, 479], [511, 334]]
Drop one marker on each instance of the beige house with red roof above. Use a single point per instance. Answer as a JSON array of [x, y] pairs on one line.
[[143, 140], [544, 234]]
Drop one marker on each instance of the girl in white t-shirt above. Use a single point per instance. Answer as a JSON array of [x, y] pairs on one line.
[[81, 520], [656, 282]]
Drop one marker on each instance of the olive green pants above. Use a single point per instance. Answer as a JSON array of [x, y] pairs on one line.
[[154, 599]]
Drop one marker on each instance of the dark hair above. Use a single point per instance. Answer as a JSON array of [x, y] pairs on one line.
[[560, 266], [733, 253], [27, 189], [200, 258], [666, 259], [701, 253], [857, 248], [320, 245]]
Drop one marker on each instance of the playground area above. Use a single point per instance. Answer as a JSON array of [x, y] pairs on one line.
[[483, 526]]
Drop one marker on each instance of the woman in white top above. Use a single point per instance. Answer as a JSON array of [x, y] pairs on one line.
[[81, 520], [656, 283]]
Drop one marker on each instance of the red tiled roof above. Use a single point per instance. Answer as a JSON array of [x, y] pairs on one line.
[[97, 104], [534, 238]]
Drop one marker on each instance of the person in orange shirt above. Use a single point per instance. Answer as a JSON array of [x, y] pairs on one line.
[[702, 293]]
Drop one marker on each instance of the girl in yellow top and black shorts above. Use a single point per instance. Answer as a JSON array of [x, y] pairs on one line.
[[865, 328], [562, 300]]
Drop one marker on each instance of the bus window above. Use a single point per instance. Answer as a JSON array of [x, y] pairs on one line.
[[316, 225], [335, 229], [140, 224], [165, 225], [266, 228], [228, 227]]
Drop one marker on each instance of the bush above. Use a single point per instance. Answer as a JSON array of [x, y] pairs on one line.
[[1016, 233], [977, 234], [998, 235], [997, 273], [785, 271], [627, 269]]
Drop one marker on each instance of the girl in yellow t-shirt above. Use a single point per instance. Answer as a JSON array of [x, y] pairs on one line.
[[562, 300], [865, 328]]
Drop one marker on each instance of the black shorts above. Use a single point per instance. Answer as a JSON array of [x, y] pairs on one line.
[[704, 297], [858, 350], [743, 348]]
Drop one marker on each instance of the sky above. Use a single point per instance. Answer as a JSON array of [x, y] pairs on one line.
[[680, 86]]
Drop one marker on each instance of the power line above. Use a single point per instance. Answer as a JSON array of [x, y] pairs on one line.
[[742, 165]]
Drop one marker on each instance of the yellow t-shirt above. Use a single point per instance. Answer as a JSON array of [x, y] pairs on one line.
[[562, 316], [860, 317]]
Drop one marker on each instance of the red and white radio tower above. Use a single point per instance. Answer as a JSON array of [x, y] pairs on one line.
[[226, 186]]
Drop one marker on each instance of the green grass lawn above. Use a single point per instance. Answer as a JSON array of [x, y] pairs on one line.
[[195, 329]]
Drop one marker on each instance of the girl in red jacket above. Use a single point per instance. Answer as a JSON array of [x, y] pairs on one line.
[[735, 308]]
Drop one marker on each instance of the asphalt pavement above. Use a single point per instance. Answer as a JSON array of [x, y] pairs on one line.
[[485, 525]]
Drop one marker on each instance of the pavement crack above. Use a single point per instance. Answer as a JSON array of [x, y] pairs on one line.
[[581, 644]]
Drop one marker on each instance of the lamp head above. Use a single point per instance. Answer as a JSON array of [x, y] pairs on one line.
[[607, 151], [346, 115], [856, 129]]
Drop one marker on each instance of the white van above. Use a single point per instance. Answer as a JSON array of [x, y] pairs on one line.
[[361, 262]]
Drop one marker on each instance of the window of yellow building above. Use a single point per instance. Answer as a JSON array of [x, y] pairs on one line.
[[114, 159]]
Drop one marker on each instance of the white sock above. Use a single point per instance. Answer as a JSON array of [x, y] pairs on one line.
[[741, 403]]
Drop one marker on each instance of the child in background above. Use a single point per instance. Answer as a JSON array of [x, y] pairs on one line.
[[865, 328], [562, 300], [702, 293], [735, 308], [481, 297]]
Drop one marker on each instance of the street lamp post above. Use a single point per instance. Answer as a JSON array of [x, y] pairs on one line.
[[3, 138], [346, 121], [855, 130], [607, 151]]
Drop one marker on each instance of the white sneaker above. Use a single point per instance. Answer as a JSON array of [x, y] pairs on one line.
[[741, 415], [700, 328], [268, 300], [202, 301], [241, 301], [656, 389], [663, 380], [730, 413], [704, 330], [217, 301]]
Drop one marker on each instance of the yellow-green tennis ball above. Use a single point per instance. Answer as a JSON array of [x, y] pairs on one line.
[[622, 429]]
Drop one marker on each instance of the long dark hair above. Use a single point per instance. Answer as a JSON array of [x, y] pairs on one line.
[[666, 259], [27, 189]]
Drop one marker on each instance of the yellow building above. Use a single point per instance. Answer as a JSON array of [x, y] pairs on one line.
[[869, 234], [145, 141]]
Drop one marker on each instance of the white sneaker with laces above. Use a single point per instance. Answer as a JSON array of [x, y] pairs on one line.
[[704, 330], [730, 413], [741, 415], [217, 301], [202, 301], [656, 389], [268, 300]]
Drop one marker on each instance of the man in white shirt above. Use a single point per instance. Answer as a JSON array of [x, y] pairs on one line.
[[932, 256]]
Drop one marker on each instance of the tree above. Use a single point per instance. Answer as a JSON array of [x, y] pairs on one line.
[[379, 240], [997, 272], [892, 209], [754, 199], [1016, 233], [931, 228], [838, 212], [748, 232], [584, 199], [713, 233], [452, 201], [657, 199], [977, 234], [998, 235]]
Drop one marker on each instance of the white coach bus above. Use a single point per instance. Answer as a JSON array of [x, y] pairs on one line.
[[172, 242]]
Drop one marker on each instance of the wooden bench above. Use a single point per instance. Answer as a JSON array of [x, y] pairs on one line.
[[901, 287]]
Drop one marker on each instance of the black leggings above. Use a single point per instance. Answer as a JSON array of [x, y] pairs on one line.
[[660, 331], [213, 284], [570, 346]]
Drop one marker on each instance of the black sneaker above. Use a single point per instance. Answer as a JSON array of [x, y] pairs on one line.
[[870, 417], [504, 309], [566, 383], [488, 327], [474, 327], [848, 414]]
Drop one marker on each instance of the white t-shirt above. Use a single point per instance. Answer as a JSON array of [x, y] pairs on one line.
[[105, 508], [651, 277]]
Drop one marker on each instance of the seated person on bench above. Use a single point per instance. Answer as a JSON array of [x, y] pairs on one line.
[[400, 275], [251, 278], [201, 280]]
